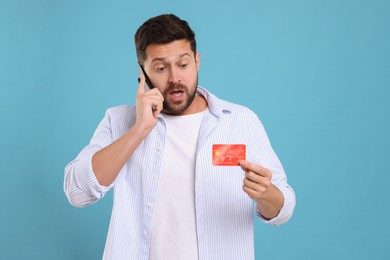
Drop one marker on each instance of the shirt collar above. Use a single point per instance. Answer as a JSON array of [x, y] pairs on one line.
[[215, 105]]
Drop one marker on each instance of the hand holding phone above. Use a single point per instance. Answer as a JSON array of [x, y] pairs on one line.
[[147, 80], [148, 86]]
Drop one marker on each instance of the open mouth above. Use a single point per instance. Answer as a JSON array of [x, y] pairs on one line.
[[176, 94]]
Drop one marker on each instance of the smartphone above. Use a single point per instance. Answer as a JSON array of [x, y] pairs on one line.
[[147, 80]]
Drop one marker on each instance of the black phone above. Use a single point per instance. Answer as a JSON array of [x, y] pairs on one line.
[[147, 80]]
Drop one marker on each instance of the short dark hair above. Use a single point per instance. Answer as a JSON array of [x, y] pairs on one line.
[[162, 29]]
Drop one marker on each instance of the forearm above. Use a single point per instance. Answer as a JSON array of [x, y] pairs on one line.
[[271, 203], [108, 162]]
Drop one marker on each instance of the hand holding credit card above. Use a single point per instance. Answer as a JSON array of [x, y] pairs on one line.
[[228, 154]]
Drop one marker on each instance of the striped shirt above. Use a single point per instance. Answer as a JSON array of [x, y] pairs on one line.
[[224, 212]]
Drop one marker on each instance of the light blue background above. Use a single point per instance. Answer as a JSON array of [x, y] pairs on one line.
[[316, 72]]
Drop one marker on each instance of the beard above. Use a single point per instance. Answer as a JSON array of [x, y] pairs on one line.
[[172, 107]]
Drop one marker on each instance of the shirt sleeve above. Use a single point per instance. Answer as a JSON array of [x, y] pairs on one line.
[[80, 184], [265, 156]]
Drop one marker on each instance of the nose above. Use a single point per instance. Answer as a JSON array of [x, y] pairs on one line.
[[173, 76]]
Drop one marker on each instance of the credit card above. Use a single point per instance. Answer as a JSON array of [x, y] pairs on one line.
[[228, 154]]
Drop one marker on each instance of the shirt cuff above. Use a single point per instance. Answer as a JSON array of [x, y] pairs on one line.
[[82, 187], [285, 212]]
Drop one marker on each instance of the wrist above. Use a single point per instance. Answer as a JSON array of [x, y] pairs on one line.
[[270, 204], [140, 129]]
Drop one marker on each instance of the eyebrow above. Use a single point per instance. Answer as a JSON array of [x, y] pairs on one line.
[[164, 58]]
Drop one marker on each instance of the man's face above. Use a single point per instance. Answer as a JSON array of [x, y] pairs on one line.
[[173, 69]]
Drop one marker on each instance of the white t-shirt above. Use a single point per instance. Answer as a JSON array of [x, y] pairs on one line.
[[173, 233]]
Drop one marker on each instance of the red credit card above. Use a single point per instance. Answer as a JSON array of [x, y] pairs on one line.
[[228, 154]]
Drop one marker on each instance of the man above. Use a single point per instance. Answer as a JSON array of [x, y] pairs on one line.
[[176, 194]]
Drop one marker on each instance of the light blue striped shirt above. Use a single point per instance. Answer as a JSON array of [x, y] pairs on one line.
[[224, 212]]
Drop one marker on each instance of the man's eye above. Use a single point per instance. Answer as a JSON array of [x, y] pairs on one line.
[[160, 69], [184, 65]]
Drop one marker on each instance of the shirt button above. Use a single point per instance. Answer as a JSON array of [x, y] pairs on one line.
[[150, 204], [145, 232]]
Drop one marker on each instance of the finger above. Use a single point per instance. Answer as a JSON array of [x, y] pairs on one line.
[[250, 184], [251, 193], [260, 186], [249, 166], [156, 93], [155, 98], [141, 84], [157, 109], [252, 176]]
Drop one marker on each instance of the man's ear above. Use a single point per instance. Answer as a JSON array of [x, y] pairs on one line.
[[197, 60]]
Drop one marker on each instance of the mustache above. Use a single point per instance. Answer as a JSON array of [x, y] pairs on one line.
[[174, 87]]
